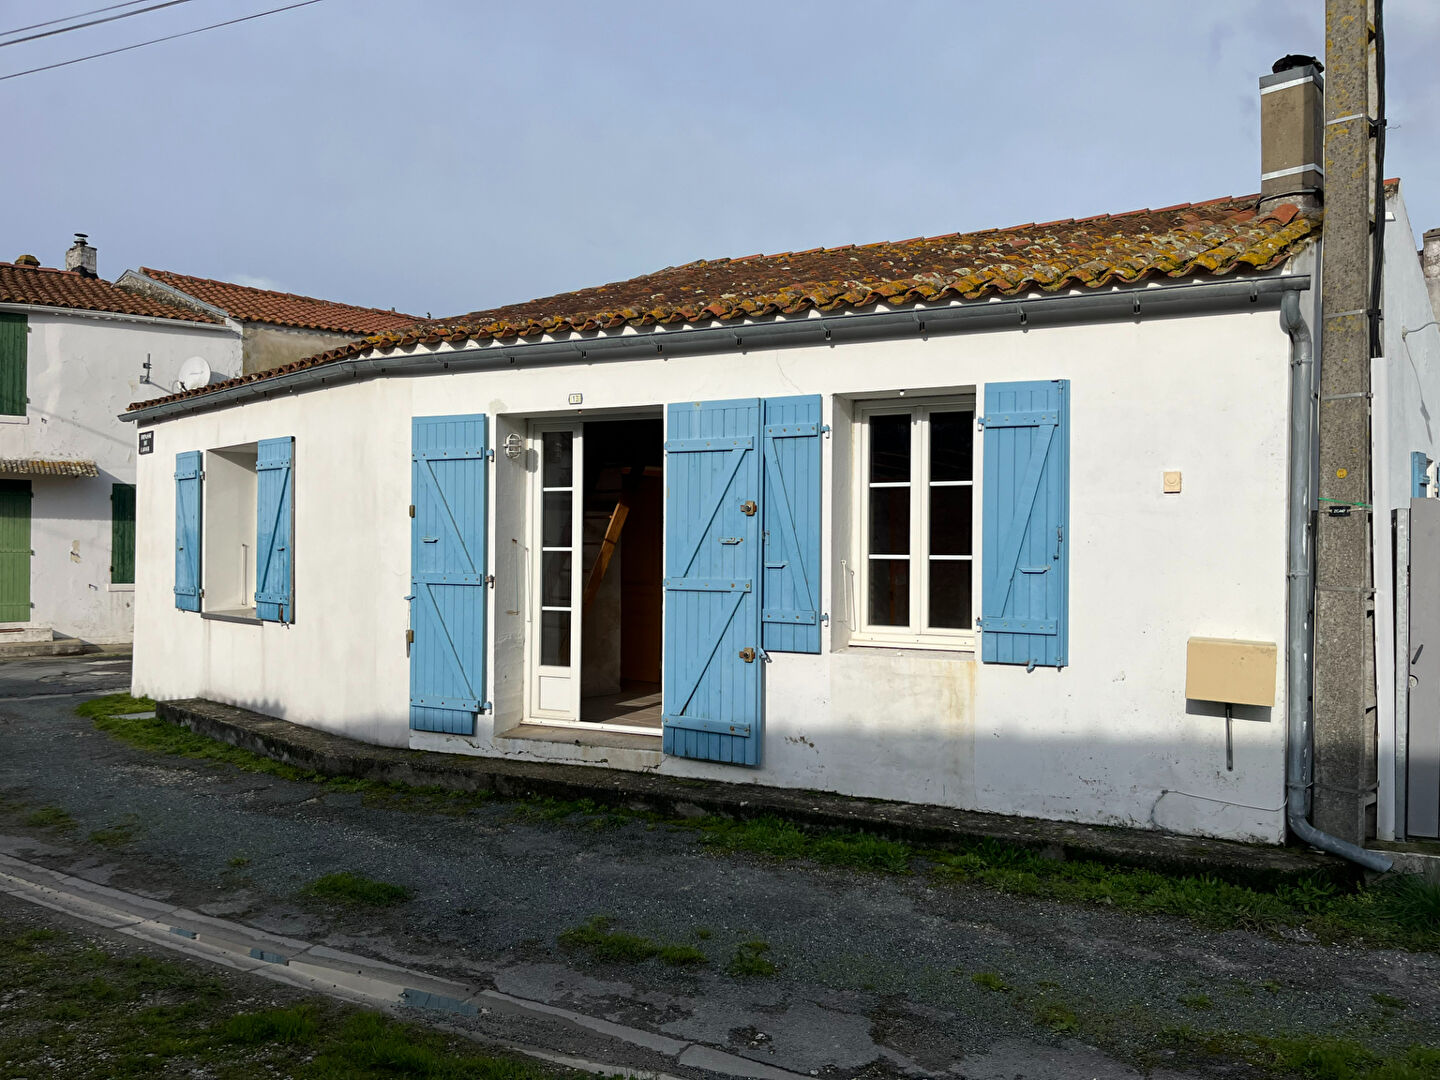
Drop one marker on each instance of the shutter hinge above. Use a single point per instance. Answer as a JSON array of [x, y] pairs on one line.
[[412, 509], [489, 455], [487, 706], [825, 618], [825, 429], [979, 421], [490, 580]]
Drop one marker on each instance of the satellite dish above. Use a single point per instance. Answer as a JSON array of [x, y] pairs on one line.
[[194, 373]]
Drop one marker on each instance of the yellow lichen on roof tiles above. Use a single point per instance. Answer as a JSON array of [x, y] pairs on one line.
[[1187, 240]]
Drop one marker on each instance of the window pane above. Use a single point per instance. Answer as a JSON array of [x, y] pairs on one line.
[[555, 638], [889, 521], [950, 520], [889, 448], [952, 445], [950, 594], [556, 451], [555, 520], [889, 592], [555, 578]]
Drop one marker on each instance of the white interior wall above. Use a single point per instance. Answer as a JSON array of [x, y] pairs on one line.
[[227, 535], [1107, 739], [82, 373]]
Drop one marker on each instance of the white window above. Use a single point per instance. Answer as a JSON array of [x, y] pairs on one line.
[[915, 528]]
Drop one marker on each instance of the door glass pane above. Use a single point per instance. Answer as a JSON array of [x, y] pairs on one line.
[[556, 454], [950, 594], [952, 445], [889, 521], [555, 578], [889, 592], [555, 519], [555, 638], [950, 521], [889, 448]]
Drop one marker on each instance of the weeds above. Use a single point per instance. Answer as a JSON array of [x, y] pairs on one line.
[[988, 980], [145, 1017], [751, 962], [1404, 913], [594, 936], [50, 817], [1059, 1018], [1199, 1002], [1315, 1057], [356, 890], [117, 835], [1387, 1001]]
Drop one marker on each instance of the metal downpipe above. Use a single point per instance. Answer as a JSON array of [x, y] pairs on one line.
[[1299, 745]]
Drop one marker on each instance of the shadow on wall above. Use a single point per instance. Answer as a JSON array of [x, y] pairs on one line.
[[1163, 781]]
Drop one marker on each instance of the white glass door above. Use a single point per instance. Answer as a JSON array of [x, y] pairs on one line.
[[557, 519]]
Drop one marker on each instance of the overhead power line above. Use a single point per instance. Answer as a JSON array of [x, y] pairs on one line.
[[77, 15], [156, 41], [92, 22]]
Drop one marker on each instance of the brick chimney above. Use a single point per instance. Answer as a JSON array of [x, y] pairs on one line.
[[82, 257], [1292, 127]]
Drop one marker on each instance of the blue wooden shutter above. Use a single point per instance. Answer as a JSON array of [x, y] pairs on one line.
[[274, 527], [187, 530], [1026, 508], [790, 589], [713, 695], [447, 572]]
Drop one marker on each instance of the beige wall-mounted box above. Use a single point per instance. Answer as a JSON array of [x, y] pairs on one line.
[[1237, 672]]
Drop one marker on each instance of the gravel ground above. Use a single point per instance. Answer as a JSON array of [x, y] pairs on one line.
[[874, 972]]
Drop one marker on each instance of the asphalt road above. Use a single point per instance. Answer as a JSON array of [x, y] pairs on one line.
[[874, 972]]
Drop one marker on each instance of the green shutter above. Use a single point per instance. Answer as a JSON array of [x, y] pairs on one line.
[[122, 534], [14, 550], [12, 367]]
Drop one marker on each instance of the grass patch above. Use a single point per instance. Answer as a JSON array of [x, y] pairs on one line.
[[780, 839], [1058, 1017], [1387, 1001], [356, 890], [1198, 1002], [1403, 913], [988, 980], [50, 817], [117, 835], [236, 862], [595, 937], [1314, 1057], [751, 962], [93, 1014]]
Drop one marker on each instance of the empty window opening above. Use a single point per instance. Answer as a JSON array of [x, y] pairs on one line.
[[229, 531], [598, 540]]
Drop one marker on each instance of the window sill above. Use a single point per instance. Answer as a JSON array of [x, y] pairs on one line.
[[14, 419], [961, 650], [121, 586], [239, 615]]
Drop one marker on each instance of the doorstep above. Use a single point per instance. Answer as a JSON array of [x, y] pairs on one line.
[[335, 755]]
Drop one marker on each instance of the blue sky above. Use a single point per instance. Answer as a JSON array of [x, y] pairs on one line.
[[443, 156]]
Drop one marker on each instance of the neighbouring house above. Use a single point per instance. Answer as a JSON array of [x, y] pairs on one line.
[[1004, 520], [74, 352], [277, 327]]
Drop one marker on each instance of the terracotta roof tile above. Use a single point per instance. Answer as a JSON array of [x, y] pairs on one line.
[[39, 467], [1222, 236], [283, 309], [45, 286]]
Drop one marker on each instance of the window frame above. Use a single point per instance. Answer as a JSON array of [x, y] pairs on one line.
[[918, 634]]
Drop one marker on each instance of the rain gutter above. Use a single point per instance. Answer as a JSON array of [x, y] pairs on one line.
[[1130, 303]]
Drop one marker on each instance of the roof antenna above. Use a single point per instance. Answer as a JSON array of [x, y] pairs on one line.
[[146, 377]]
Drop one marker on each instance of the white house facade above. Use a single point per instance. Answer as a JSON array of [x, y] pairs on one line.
[[74, 351]]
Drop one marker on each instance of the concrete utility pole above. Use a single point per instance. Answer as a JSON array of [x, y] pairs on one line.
[[1344, 789]]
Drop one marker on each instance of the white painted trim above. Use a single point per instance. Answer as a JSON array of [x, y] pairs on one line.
[[1287, 84], [14, 419], [916, 635], [120, 586], [1312, 167], [598, 726], [115, 316], [533, 622]]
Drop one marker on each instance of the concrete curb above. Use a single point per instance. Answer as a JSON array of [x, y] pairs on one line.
[[334, 755], [362, 980]]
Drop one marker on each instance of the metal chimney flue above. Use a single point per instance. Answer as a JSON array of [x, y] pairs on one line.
[[81, 257], [1292, 128]]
